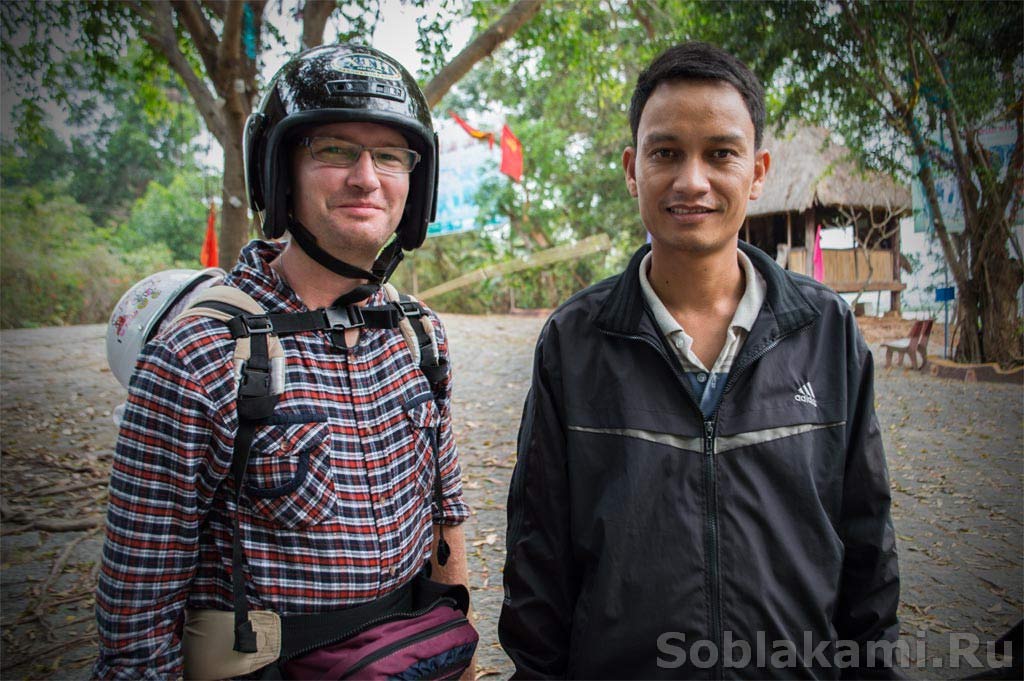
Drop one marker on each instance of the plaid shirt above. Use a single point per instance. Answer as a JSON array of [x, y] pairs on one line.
[[707, 386], [336, 508]]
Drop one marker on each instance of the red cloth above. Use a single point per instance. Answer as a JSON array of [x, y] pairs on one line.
[[473, 132], [208, 256], [818, 260], [511, 154]]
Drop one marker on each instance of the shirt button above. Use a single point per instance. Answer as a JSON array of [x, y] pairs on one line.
[[701, 377], [393, 571]]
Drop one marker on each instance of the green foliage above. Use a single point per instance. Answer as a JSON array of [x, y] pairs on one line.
[[69, 248], [912, 87], [143, 133], [433, 30], [138, 131], [59, 265], [61, 53], [564, 83], [360, 19], [443, 258], [836, 73], [40, 160], [173, 215], [54, 267]]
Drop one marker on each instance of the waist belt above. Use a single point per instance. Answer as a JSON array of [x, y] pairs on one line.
[[302, 633]]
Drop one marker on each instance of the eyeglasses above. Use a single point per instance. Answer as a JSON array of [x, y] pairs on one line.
[[338, 152]]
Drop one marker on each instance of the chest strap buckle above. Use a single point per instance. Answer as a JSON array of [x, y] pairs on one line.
[[343, 318]]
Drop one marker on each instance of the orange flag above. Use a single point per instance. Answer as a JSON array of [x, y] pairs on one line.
[[511, 154], [473, 132], [208, 256]]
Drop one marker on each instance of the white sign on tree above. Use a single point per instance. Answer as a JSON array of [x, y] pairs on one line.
[[464, 165]]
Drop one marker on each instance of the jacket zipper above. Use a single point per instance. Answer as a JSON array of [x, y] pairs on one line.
[[711, 483], [710, 506], [733, 375], [661, 351], [415, 638], [711, 511], [712, 495]]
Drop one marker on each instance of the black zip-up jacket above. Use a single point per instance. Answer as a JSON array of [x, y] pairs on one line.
[[643, 535]]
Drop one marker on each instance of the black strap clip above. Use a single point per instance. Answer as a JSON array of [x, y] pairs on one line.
[[343, 318], [254, 382], [245, 638], [245, 325], [382, 316], [409, 308]]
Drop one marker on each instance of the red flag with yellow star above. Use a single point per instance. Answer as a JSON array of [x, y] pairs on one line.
[[473, 132], [511, 154]]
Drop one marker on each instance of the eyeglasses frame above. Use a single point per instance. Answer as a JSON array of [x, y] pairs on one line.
[[308, 143]]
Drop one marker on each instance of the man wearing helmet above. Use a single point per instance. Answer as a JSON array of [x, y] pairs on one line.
[[336, 507], [348, 210]]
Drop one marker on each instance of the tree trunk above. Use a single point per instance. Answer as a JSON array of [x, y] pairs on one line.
[[986, 278], [228, 68], [1000, 337], [987, 312], [989, 317], [314, 18], [968, 347], [235, 227]]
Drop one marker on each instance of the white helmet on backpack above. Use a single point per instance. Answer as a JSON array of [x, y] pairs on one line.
[[144, 309]]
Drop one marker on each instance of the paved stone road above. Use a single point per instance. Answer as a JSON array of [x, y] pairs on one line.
[[955, 454]]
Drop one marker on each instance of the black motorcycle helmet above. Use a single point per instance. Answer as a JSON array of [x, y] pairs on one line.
[[338, 84]]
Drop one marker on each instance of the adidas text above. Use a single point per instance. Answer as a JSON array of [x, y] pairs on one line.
[[806, 394]]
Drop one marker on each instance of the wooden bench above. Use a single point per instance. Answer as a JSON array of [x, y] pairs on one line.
[[915, 345]]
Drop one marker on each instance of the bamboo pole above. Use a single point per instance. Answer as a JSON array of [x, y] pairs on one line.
[[589, 245]]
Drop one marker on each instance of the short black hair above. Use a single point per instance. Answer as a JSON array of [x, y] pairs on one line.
[[695, 60]]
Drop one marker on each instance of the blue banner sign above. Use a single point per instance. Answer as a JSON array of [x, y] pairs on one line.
[[464, 164], [943, 294]]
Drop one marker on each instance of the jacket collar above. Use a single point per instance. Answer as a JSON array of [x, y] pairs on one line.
[[623, 310]]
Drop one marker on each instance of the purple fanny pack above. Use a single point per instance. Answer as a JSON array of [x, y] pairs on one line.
[[426, 636], [436, 645]]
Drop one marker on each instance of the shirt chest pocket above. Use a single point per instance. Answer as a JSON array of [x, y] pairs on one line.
[[424, 420], [289, 479]]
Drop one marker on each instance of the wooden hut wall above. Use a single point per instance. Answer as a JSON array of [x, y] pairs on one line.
[[846, 269], [768, 231]]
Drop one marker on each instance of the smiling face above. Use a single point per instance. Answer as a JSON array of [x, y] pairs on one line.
[[695, 166], [353, 211]]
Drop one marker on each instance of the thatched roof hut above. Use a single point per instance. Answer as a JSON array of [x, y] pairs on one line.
[[813, 181], [808, 169]]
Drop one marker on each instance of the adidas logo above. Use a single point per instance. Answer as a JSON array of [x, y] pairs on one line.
[[805, 393]]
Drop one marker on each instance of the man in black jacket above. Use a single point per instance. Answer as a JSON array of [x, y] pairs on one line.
[[701, 490]]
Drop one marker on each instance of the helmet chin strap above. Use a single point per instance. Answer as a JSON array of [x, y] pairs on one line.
[[381, 270]]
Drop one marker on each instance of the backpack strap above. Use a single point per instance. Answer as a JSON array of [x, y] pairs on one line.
[[226, 304], [422, 343], [260, 369], [420, 337], [259, 366]]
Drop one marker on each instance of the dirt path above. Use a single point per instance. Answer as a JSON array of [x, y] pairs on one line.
[[954, 454]]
